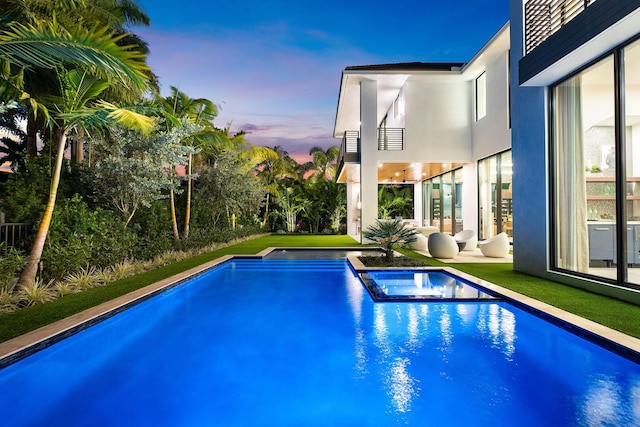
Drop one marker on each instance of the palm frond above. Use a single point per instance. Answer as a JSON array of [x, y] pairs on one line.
[[49, 45], [128, 117]]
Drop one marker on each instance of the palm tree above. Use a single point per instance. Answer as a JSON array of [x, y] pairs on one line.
[[179, 107], [274, 169], [101, 63], [78, 107], [96, 17], [323, 163]]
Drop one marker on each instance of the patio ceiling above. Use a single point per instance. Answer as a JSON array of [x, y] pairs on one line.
[[395, 173]]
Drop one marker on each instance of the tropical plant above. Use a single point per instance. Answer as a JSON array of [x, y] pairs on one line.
[[11, 263], [228, 191], [179, 108], [271, 171], [291, 202], [323, 164], [390, 234], [79, 105], [44, 35], [36, 292], [63, 288], [131, 167], [83, 279], [395, 201], [123, 269], [8, 301]]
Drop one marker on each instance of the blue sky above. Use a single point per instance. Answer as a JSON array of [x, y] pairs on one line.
[[274, 67]]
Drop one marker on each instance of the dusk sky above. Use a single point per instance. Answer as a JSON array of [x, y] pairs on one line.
[[274, 67]]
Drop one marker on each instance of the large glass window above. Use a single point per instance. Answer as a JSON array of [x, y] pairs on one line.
[[596, 169], [494, 196], [457, 210], [443, 201], [481, 96], [632, 151]]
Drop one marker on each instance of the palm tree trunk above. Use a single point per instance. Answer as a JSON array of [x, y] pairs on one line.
[[29, 273], [266, 211], [187, 212], [32, 136], [174, 221]]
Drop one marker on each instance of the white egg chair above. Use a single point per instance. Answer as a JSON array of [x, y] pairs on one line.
[[496, 247], [442, 245]]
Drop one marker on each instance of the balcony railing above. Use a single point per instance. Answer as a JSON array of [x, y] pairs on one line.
[[545, 17], [349, 148], [390, 139]]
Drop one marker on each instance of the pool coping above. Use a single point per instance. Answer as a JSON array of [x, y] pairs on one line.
[[31, 342]]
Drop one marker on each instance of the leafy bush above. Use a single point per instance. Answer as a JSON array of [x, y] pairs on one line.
[[389, 234], [11, 264], [80, 237]]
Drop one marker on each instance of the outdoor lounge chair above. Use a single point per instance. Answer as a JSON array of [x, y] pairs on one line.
[[442, 245], [496, 247], [467, 239]]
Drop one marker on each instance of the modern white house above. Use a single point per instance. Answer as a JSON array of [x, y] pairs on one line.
[[538, 135], [443, 128], [575, 112]]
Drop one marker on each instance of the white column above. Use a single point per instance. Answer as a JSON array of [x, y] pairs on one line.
[[369, 151], [470, 197], [418, 205], [353, 211]]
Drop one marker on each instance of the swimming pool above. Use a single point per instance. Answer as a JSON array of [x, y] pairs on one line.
[[421, 285], [278, 342]]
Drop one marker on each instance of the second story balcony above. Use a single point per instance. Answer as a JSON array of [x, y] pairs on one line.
[[389, 139], [545, 17]]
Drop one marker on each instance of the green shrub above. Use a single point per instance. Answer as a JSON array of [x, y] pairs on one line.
[[80, 237], [11, 264], [390, 234]]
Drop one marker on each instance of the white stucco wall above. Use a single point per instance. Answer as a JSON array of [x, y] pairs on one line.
[[368, 152], [437, 119], [492, 134]]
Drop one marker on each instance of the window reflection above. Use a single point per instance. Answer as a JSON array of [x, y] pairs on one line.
[[494, 195], [593, 147], [632, 142]]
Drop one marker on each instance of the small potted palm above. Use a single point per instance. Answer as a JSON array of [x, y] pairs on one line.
[[390, 234]]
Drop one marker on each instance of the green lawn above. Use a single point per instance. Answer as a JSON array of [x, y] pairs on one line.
[[613, 313]]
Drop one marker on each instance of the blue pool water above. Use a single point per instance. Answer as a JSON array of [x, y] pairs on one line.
[[399, 285], [301, 343]]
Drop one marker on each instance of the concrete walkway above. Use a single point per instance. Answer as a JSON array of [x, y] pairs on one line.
[[470, 256]]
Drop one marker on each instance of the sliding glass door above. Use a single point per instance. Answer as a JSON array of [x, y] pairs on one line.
[[443, 201], [494, 196], [596, 169]]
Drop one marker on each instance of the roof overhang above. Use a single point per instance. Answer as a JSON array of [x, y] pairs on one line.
[[390, 79]]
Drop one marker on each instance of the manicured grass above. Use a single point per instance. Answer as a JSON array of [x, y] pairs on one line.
[[607, 311]]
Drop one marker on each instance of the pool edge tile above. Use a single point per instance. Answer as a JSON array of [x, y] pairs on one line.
[[11, 350]]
